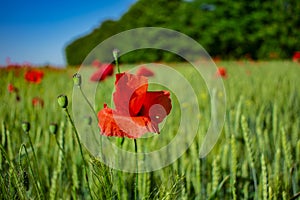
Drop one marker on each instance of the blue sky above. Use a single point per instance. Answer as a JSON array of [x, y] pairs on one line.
[[37, 31]]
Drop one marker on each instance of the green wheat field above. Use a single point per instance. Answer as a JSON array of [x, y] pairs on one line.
[[257, 155]]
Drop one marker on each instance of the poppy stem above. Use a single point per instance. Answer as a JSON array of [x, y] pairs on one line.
[[80, 148], [137, 170], [118, 67], [88, 102], [95, 114], [37, 183]]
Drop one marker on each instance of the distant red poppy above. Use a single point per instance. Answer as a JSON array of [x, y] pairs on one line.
[[217, 59], [96, 63], [137, 111], [11, 88], [34, 76], [143, 71], [296, 56], [37, 101], [221, 72], [104, 71]]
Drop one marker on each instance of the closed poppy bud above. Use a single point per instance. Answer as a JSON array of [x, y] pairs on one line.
[[77, 79], [18, 98], [116, 53], [62, 100], [25, 126], [53, 128]]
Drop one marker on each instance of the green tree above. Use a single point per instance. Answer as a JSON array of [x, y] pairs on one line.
[[229, 29]]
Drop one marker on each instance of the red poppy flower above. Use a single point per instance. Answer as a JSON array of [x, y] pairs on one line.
[[137, 111], [143, 71], [11, 88], [296, 56], [217, 59], [34, 76], [96, 63], [37, 101], [104, 71], [221, 72]]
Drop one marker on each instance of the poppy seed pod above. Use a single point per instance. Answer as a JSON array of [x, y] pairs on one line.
[[53, 128], [116, 53], [62, 100], [18, 98], [26, 126], [77, 79]]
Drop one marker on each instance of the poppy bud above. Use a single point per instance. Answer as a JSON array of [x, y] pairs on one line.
[[116, 53], [53, 128], [62, 100], [26, 126], [77, 79], [18, 98]]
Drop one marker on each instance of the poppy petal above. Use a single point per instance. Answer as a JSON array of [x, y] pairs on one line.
[[143, 71], [103, 71], [221, 72], [113, 124], [107, 123], [157, 106], [34, 76], [130, 93]]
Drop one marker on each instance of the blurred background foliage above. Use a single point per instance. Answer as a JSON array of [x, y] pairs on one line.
[[226, 29]]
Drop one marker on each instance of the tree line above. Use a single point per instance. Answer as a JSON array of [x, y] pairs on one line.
[[234, 29]]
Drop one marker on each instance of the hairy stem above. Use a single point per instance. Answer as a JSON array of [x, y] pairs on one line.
[[137, 170], [81, 152]]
